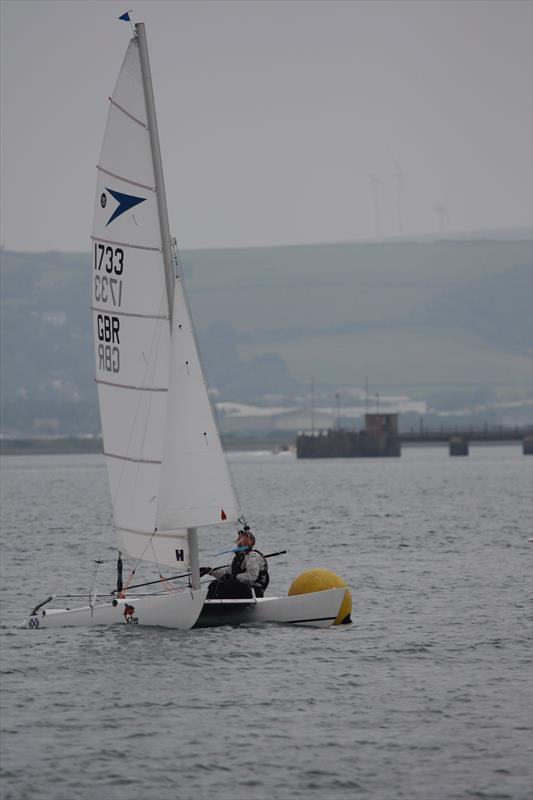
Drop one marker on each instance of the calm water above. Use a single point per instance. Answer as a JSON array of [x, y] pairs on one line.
[[427, 695]]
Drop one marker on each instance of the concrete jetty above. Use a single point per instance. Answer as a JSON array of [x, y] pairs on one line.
[[378, 439]]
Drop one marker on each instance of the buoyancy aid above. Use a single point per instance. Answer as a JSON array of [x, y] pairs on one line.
[[238, 565]]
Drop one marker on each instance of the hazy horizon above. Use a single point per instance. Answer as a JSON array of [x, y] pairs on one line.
[[497, 234], [280, 123]]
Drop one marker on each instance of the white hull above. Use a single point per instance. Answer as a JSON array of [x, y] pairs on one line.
[[317, 609], [169, 610], [187, 609]]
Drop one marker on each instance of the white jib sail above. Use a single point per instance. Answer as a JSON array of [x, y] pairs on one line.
[[134, 350], [195, 484]]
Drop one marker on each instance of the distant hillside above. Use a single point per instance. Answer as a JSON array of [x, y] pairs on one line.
[[407, 315], [411, 317]]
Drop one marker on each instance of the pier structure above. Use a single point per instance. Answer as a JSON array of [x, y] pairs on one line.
[[378, 438], [458, 440], [483, 433]]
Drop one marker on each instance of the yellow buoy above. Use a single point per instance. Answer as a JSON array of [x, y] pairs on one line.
[[318, 580]]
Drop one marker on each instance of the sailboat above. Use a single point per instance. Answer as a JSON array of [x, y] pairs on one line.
[[168, 474]]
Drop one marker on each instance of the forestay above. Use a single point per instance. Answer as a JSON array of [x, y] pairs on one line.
[[165, 464]]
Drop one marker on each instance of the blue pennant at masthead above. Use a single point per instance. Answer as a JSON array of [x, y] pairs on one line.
[[125, 202]]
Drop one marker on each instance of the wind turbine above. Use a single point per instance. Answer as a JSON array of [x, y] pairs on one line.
[[400, 186], [376, 183], [442, 215]]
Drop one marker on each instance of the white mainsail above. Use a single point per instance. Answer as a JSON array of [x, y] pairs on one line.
[[166, 468]]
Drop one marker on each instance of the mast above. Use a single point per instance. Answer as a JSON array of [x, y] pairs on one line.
[[158, 164], [192, 536]]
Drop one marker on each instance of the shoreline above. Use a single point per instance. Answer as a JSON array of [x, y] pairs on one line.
[[81, 446], [274, 444]]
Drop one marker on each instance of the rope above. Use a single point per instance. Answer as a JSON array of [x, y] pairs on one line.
[[168, 586]]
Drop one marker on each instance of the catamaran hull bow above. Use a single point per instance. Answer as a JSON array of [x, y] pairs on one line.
[[170, 610]]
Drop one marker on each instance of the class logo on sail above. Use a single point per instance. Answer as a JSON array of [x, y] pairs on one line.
[[125, 202]]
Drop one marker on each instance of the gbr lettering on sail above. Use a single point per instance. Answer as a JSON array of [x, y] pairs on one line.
[[107, 293]]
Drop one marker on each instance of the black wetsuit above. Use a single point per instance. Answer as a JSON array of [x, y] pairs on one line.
[[247, 571]]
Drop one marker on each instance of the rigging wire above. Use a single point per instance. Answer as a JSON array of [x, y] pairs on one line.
[[99, 561]]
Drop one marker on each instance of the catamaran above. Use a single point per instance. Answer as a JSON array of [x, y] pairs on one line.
[[168, 474]]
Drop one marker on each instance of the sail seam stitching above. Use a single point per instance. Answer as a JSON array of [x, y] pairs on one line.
[[125, 244], [130, 458], [127, 113], [131, 386], [117, 313], [126, 180]]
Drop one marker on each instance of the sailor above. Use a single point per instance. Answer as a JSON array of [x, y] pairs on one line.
[[247, 571]]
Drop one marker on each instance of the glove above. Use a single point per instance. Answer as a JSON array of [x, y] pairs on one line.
[[204, 571]]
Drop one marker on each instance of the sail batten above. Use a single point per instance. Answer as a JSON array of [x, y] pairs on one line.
[[131, 137], [131, 116], [125, 244], [131, 314], [124, 179], [133, 388], [131, 458], [158, 534]]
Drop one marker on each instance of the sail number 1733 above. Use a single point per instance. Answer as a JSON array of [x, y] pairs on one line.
[[108, 263], [110, 259]]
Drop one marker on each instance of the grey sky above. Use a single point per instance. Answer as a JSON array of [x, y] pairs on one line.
[[274, 116]]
